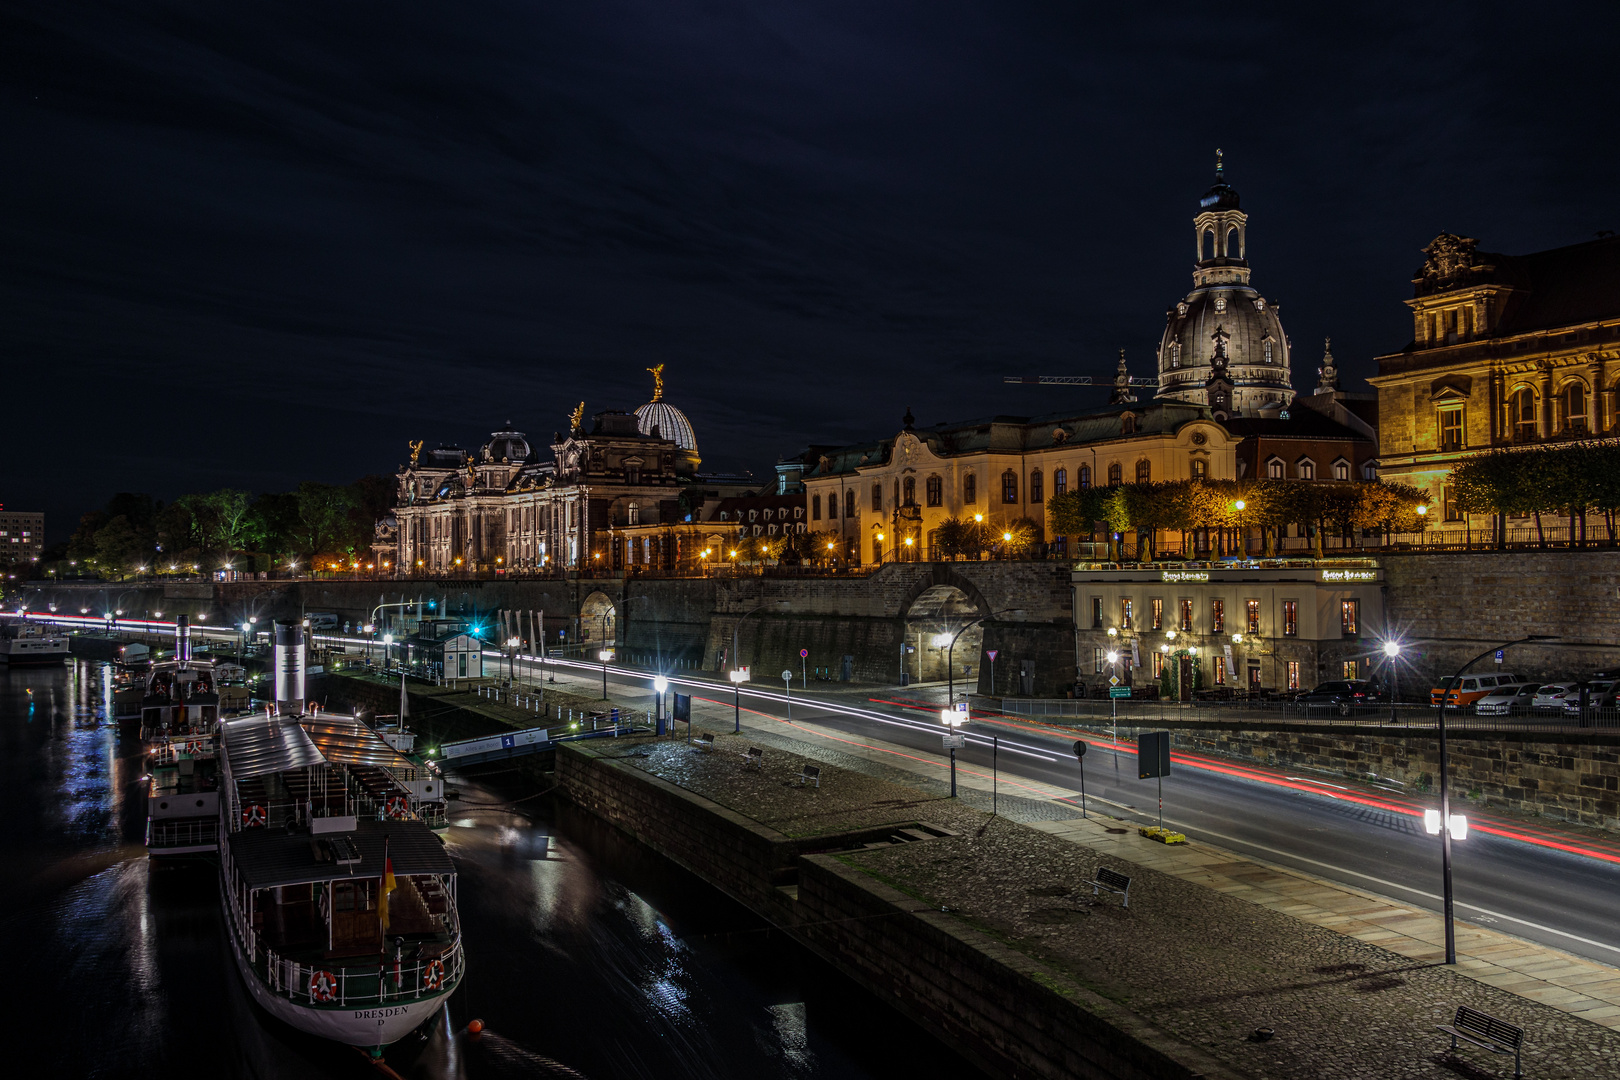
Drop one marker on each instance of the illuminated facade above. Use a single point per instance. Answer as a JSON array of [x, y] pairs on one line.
[[22, 536], [1506, 350]]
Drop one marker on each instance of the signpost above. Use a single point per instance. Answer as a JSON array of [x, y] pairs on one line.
[[738, 677], [787, 683], [991, 653], [1153, 759], [1080, 755], [804, 658]]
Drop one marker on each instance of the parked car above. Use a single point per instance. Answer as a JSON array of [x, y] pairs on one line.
[[1514, 700], [1342, 695], [1599, 695], [1470, 688], [1551, 696]]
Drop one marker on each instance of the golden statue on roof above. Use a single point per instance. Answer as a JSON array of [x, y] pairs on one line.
[[576, 419], [416, 451], [658, 382]]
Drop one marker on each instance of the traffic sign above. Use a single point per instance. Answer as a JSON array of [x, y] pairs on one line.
[[787, 675], [1119, 691], [961, 706], [955, 742], [1152, 754], [1501, 655], [991, 653], [1113, 680], [803, 653], [1080, 748]]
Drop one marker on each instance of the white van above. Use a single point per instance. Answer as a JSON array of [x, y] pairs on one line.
[[322, 620]]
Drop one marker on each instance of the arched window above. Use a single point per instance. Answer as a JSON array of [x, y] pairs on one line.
[[1037, 488], [1060, 481], [832, 506], [1085, 477], [877, 498], [1009, 487], [1574, 403], [1266, 342], [1522, 414], [815, 507], [908, 488], [1175, 354], [1127, 424], [1144, 471], [935, 490], [1200, 469], [634, 514], [1206, 244], [970, 488], [1234, 244], [1116, 475], [849, 503]]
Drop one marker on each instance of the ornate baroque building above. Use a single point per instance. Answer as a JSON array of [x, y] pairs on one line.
[[1506, 350], [501, 508]]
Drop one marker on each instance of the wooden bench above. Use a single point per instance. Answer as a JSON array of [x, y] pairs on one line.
[[1497, 1036], [811, 774], [704, 741], [754, 758], [1114, 882]]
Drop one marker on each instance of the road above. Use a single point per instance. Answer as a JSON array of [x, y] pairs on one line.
[[1557, 886]]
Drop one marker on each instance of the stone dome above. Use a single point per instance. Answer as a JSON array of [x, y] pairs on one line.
[[1222, 301], [507, 445], [670, 423]]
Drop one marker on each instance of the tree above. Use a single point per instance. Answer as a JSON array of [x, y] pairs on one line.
[[119, 548], [321, 518]]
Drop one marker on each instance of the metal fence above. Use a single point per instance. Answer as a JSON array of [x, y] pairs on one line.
[[1402, 718]]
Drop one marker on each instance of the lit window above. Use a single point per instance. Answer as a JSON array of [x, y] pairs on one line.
[[1220, 671], [1115, 475], [1096, 612], [1341, 470], [1125, 610], [1293, 674], [1220, 303], [1574, 402], [1307, 469], [1085, 477], [1156, 613], [1350, 669], [1266, 343], [1217, 616], [1522, 414], [1253, 609], [1451, 429], [1060, 481], [1350, 617], [1274, 469], [1200, 468], [1290, 618], [1186, 616], [1101, 658]]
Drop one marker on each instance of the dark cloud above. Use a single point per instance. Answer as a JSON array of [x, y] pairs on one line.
[[253, 244]]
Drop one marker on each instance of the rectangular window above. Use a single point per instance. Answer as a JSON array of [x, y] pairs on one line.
[[877, 550], [1350, 617], [1451, 429], [1254, 676], [877, 498], [1102, 659], [936, 491], [1290, 618], [1220, 671], [1293, 674], [1448, 503], [1217, 616], [1158, 664], [815, 508], [1253, 607], [970, 488], [1349, 669], [1037, 487], [1125, 611], [1186, 621], [1009, 487], [1096, 613], [1156, 613]]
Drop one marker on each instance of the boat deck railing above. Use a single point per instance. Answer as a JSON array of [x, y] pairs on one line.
[[367, 981], [182, 833]]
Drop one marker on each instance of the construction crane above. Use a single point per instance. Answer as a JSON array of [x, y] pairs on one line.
[[1072, 380]]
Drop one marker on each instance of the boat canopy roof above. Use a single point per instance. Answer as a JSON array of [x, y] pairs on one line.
[[347, 741], [259, 745], [267, 857]]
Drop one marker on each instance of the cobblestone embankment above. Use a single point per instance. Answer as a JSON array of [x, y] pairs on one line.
[[985, 931]]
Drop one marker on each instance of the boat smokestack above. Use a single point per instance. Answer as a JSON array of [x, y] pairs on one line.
[[289, 668], [182, 639]]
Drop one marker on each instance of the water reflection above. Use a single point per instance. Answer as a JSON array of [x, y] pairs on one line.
[[583, 949]]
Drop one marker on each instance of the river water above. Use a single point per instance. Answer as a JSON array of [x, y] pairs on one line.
[[583, 948]]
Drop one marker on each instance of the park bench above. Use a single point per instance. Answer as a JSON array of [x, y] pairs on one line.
[[1481, 1029], [1114, 882], [704, 740], [811, 774], [754, 758]]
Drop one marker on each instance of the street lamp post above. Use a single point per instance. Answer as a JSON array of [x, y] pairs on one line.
[[660, 684], [953, 721], [738, 677], [1392, 649], [1443, 822], [787, 684], [603, 655]]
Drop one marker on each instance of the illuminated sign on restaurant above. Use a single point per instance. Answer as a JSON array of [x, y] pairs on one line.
[[1349, 576], [1184, 575]]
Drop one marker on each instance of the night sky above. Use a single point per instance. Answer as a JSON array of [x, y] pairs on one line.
[[248, 244]]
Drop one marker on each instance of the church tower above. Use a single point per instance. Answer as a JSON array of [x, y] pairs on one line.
[[1253, 348]]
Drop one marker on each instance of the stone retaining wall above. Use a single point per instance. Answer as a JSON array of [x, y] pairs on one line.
[[1003, 1010], [1575, 779]]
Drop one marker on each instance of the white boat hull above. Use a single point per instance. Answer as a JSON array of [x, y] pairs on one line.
[[360, 1026]]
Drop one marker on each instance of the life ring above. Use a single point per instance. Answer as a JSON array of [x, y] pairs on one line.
[[253, 816], [433, 975], [397, 807], [323, 987], [193, 748]]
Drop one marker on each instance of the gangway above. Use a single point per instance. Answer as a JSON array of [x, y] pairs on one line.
[[520, 743]]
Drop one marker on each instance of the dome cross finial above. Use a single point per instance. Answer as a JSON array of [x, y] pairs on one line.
[[1219, 174]]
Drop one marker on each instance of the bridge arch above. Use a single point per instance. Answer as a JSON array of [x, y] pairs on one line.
[[598, 622], [936, 609]]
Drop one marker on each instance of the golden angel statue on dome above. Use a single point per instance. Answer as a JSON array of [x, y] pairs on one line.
[[416, 451], [576, 419], [658, 382]]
